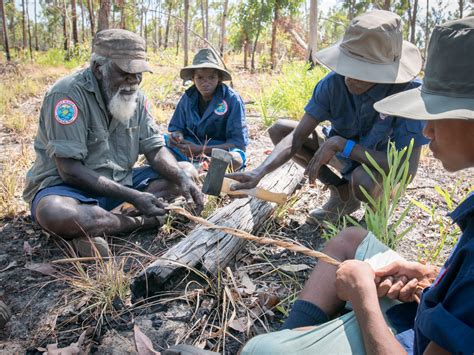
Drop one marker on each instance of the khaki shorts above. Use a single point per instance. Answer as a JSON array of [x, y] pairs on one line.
[[338, 336]]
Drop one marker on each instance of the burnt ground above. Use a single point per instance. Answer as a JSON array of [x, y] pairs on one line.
[[217, 313]]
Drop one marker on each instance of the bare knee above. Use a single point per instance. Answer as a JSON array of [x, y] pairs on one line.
[[58, 215], [344, 245], [360, 179], [280, 129]]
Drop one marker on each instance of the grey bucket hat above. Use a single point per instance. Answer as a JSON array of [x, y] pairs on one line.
[[124, 48], [448, 86], [373, 50], [205, 58]]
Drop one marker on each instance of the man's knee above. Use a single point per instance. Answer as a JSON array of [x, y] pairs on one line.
[[359, 179], [58, 215], [280, 129], [346, 242]]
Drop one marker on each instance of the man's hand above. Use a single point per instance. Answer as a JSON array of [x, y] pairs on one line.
[[189, 149], [176, 137], [323, 155], [148, 204], [191, 193], [354, 279], [248, 180], [399, 280]]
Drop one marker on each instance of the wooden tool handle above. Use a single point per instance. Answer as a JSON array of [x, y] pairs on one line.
[[262, 194]]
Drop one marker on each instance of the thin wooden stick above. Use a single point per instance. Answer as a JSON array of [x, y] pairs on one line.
[[261, 240]]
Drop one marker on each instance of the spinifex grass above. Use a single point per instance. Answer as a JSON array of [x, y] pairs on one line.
[[392, 183]]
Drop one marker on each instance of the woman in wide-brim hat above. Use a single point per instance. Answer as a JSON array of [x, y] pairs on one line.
[[209, 114]]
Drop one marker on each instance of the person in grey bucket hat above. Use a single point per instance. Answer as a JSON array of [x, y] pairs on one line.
[[371, 62], [93, 126], [396, 306], [209, 115]]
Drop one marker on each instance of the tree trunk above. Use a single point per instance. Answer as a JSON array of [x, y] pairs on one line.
[[212, 250], [123, 24], [224, 18], [254, 48], [203, 20], [104, 14], [206, 11], [25, 40], [413, 22], [313, 31], [273, 49], [65, 34], [75, 34], [186, 25], [167, 31], [427, 27], [5, 32], [36, 28], [29, 31], [90, 7], [246, 51], [83, 25], [461, 8], [386, 5]]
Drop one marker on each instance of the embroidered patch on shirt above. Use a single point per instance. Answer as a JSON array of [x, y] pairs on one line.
[[148, 107], [221, 108], [65, 112]]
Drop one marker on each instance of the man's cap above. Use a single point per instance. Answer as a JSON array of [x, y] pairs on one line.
[[373, 50], [448, 85], [124, 48], [205, 58]]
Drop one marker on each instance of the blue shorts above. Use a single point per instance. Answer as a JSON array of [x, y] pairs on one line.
[[181, 157], [142, 177]]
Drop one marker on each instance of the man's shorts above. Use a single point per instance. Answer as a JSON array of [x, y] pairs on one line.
[[142, 177], [339, 336], [181, 157]]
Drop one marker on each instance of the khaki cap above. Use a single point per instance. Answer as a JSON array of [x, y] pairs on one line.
[[205, 58], [124, 48], [448, 86], [373, 50]]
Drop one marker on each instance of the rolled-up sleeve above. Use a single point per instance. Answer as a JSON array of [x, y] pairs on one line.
[[65, 126], [150, 135], [236, 129]]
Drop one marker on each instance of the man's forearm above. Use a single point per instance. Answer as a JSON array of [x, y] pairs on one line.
[[76, 174], [378, 339], [164, 163], [207, 149]]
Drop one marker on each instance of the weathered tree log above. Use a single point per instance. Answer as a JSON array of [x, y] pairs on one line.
[[210, 250]]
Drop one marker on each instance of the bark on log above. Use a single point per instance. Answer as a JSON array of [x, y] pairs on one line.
[[210, 250]]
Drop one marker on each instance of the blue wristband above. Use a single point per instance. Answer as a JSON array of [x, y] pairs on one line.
[[348, 148]]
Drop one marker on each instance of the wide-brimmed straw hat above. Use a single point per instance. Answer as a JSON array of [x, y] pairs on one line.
[[124, 48], [205, 58], [448, 86], [373, 50]]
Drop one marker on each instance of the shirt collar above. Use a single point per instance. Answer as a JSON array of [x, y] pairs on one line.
[[463, 210], [379, 91]]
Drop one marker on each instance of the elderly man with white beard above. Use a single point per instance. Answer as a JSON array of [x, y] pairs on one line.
[[93, 126]]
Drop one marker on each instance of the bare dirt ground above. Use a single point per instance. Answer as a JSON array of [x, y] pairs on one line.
[[219, 313]]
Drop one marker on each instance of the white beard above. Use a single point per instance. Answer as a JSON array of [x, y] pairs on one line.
[[123, 107]]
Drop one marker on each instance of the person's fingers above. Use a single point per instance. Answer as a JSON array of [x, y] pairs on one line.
[[314, 173], [242, 177], [198, 200], [390, 269], [407, 292], [384, 286], [243, 186], [394, 291]]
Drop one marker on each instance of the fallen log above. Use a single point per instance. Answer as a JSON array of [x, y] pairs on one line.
[[211, 249]]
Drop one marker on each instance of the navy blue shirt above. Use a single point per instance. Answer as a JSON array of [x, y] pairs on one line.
[[354, 117], [222, 122], [446, 311]]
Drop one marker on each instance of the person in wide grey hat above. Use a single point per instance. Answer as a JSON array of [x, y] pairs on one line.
[[396, 306], [209, 114], [370, 63], [93, 126]]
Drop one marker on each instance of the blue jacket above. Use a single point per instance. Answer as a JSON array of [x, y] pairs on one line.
[[223, 121], [446, 311]]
